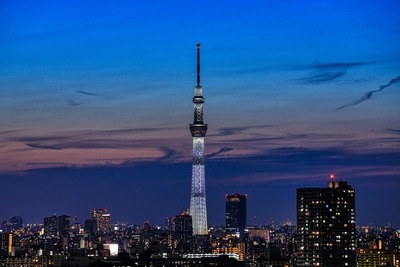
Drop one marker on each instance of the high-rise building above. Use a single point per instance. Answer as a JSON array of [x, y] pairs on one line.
[[183, 231], [102, 218], [90, 227], [3, 244], [369, 258], [198, 209], [326, 226], [57, 225], [16, 222], [170, 223], [236, 214], [51, 226], [6, 244], [64, 222]]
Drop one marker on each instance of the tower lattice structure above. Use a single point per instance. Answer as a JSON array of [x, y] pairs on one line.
[[198, 209]]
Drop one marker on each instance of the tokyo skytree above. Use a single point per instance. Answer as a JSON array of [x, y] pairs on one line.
[[198, 209]]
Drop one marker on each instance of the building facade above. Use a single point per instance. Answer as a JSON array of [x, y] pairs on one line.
[[235, 214], [16, 222], [103, 219], [57, 226], [326, 226], [198, 129], [373, 258], [183, 231]]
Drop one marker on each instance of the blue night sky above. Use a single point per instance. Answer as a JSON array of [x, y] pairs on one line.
[[95, 102]]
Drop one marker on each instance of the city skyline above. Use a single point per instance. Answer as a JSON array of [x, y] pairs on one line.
[[95, 102]]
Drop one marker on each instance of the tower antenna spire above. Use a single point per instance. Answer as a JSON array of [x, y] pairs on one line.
[[198, 129], [198, 64]]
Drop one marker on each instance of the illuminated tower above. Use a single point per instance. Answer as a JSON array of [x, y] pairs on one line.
[[198, 209]]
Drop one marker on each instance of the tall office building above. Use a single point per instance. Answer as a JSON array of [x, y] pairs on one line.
[[90, 227], [64, 222], [103, 219], [326, 226], [51, 226], [236, 214], [198, 209], [183, 231], [57, 225]]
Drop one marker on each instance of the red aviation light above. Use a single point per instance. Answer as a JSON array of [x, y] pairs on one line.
[[332, 176]]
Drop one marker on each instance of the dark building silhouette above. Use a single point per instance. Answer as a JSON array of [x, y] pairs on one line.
[[64, 222], [90, 227], [16, 222], [183, 231], [326, 226], [50, 226], [6, 242], [236, 214], [57, 225], [145, 259]]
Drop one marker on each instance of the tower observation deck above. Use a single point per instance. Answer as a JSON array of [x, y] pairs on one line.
[[198, 209]]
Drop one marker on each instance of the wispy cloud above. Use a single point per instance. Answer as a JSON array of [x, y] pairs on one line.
[[46, 164], [328, 72], [393, 130], [130, 130], [144, 144], [224, 131], [369, 94], [39, 146], [10, 132], [301, 163], [90, 144], [73, 103], [87, 93], [92, 139], [169, 153], [285, 163], [219, 152]]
